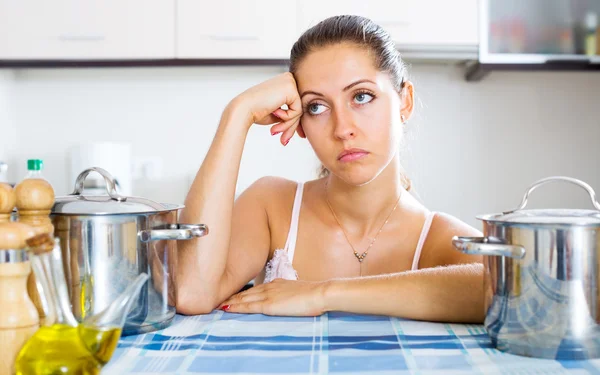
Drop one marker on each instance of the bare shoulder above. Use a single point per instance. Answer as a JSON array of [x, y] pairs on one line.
[[272, 197], [274, 194], [269, 188], [439, 240], [444, 225]]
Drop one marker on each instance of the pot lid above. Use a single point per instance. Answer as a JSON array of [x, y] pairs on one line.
[[547, 216], [550, 216], [104, 205], [113, 203]]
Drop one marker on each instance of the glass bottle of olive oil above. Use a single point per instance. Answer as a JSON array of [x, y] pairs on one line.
[[62, 345]]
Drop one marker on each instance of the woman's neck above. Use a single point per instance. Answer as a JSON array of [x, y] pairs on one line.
[[361, 209]]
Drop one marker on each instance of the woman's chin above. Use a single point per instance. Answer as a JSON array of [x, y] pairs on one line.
[[357, 177]]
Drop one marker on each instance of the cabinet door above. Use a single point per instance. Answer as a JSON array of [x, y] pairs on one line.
[[236, 29], [87, 30], [409, 22], [439, 22]]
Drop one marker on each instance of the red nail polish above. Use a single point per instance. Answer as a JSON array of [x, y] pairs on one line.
[[225, 307], [275, 133], [286, 142]]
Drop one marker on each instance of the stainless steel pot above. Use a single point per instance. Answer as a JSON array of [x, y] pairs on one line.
[[542, 277], [107, 241]]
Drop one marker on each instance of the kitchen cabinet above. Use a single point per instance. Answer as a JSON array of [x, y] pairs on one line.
[[197, 32], [87, 30], [235, 29], [421, 23]]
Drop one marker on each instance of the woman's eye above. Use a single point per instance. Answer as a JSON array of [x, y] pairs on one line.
[[363, 98], [316, 109]]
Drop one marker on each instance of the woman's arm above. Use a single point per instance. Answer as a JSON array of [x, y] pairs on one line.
[[204, 276], [201, 262], [449, 291]]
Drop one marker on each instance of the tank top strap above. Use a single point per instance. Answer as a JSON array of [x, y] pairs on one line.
[[290, 244], [422, 238]]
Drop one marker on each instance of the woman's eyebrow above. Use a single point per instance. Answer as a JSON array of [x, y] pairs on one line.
[[311, 92], [356, 83], [345, 88]]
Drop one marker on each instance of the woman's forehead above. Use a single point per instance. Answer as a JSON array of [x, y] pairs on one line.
[[334, 67], [328, 70]]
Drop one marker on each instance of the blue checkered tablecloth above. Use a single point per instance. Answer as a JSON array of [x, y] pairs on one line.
[[337, 343]]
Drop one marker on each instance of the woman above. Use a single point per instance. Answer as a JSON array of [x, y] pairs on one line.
[[353, 240]]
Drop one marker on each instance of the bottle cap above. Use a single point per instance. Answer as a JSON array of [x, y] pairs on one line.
[[35, 164]]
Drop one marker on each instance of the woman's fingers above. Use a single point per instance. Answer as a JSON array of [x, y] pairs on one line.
[[247, 295], [285, 115], [287, 128], [289, 132], [278, 116], [256, 307], [245, 298], [268, 120], [294, 105]]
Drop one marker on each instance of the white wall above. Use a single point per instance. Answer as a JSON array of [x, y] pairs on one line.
[[473, 147], [7, 121]]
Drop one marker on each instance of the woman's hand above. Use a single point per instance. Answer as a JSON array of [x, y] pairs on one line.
[[263, 104], [280, 297]]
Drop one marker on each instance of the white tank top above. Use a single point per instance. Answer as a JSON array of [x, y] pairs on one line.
[[281, 265]]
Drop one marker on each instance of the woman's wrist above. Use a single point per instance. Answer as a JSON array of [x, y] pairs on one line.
[[238, 114], [327, 292]]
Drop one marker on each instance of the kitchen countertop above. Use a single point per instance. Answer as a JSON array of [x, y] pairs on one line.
[[224, 343]]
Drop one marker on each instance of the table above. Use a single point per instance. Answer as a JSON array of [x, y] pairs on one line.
[[337, 343]]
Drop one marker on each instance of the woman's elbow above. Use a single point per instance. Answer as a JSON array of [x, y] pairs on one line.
[[193, 304]]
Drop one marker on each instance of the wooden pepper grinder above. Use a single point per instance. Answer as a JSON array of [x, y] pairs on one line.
[[19, 318], [7, 202], [35, 198]]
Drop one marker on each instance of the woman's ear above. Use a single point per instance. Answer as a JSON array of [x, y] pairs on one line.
[[406, 100]]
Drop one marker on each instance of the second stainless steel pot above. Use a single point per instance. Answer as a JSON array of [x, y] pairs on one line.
[[541, 278], [107, 241]]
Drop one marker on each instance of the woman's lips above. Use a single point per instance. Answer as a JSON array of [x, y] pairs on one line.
[[352, 155]]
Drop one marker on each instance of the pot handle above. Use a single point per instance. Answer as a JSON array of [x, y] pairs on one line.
[[111, 183], [544, 181], [174, 232], [487, 246]]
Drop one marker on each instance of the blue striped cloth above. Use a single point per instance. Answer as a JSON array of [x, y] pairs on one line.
[[337, 343]]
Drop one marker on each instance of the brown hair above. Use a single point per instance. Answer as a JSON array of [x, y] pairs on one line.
[[363, 32]]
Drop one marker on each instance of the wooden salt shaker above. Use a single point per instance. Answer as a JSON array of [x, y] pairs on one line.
[[35, 198], [19, 318], [7, 202]]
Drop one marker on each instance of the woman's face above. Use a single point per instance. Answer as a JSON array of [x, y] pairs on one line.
[[352, 113]]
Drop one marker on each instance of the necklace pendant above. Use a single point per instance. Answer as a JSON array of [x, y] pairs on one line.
[[360, 257]]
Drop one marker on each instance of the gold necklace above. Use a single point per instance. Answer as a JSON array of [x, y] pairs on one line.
[[360, 257]]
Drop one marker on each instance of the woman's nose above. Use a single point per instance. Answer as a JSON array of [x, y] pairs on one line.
[[344, 124]]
